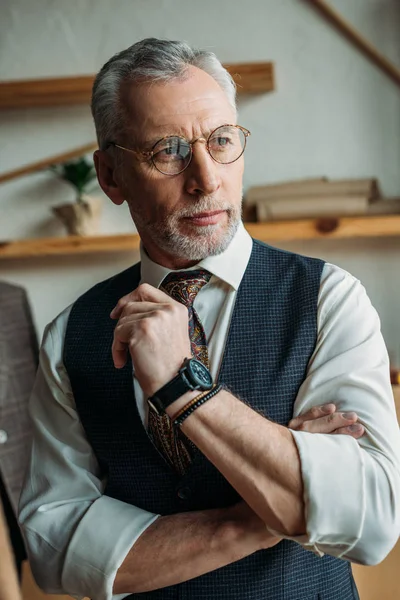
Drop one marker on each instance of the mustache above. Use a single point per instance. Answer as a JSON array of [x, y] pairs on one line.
[[205, 204]]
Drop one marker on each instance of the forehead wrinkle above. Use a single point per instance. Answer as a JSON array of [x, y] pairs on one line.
[[207, 111], [191, 117]]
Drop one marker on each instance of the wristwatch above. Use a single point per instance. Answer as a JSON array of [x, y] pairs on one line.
[[193, 375]]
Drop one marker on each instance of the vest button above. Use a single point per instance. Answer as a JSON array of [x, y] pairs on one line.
[[184, 493]]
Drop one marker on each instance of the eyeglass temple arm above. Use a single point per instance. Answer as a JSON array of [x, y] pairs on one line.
[[146, 154]]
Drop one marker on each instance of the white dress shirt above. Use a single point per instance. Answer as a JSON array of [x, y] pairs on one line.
[[77, 537]]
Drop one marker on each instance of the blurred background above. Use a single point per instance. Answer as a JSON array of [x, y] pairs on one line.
[[332, 113]]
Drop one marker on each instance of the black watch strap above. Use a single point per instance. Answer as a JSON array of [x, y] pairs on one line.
[[171, 391], [193, 375]]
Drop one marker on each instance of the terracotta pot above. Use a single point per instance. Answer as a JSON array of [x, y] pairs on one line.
[[81, 218]]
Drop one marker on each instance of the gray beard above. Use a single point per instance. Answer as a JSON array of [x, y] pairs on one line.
[[195, 248], [202, 243]]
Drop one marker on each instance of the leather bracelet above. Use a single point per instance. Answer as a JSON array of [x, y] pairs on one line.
[[191, 406]]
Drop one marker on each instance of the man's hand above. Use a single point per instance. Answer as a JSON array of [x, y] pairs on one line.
[[326, 419], [154, 329]]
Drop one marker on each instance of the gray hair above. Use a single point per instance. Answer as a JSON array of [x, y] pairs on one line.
[[148, 60]]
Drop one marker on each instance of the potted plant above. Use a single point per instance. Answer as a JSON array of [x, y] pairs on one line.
[[81, 217]]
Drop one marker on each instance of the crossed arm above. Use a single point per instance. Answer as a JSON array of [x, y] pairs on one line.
[[191, 544], [62, 506], [266, 469]]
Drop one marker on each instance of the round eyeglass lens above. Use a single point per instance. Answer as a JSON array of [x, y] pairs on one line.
[[171, 155], [226, 144]]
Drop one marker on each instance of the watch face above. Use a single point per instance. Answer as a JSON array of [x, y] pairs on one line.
[[200, 374]]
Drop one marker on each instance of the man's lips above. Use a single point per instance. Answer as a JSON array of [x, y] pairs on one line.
[[206, 218]]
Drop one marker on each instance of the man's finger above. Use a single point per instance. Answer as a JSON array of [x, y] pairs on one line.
[[138, 308], [315, 412], [123, 335], [119, 351], [144, 292], [327, 424], [356, 430]]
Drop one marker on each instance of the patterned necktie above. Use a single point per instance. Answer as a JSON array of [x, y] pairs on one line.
[[182, 287]]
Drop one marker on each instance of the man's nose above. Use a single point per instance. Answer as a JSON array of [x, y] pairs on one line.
[[203, 176]]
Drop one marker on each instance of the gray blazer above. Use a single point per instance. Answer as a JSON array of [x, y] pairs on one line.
[[18, 363]]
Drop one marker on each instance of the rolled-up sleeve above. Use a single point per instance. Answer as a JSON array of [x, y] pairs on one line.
[[76, 537], [351, 487]]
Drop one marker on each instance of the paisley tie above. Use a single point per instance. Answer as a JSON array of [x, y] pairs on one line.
[[183, 287]]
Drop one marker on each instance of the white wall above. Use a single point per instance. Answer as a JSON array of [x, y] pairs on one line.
[[333, 114]]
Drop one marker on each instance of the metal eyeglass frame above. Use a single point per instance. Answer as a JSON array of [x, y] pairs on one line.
[[149, 154]]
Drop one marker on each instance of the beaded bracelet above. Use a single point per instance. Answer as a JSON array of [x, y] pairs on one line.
[[190, 403], [195, 403]]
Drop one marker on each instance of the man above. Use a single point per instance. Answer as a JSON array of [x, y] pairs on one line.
[[226, 340]]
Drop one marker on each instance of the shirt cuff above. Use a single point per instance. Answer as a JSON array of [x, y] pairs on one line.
[[99, 546], [333, 476]]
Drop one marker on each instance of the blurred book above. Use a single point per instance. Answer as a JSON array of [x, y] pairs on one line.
[[284, 208], [312, 198], [386, 206], [315, 187]]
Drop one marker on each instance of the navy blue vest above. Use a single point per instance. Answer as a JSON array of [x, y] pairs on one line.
[[271, 339]]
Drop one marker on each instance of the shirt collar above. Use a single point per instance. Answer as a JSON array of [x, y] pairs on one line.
[[229, 266]]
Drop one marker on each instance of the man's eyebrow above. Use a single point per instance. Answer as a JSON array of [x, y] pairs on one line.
[[153, 140], [168, 132]]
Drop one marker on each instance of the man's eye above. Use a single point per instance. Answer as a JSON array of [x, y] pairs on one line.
[[221, 142], [167, 152], [171, 150]]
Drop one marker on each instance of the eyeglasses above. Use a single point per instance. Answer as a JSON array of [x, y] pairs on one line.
[[172, 154]]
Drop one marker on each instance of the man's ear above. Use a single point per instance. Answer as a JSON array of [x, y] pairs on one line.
[[105, 170]]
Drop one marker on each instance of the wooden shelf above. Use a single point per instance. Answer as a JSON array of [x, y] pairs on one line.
[[251, 78], [30, 248], [347, 227]]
